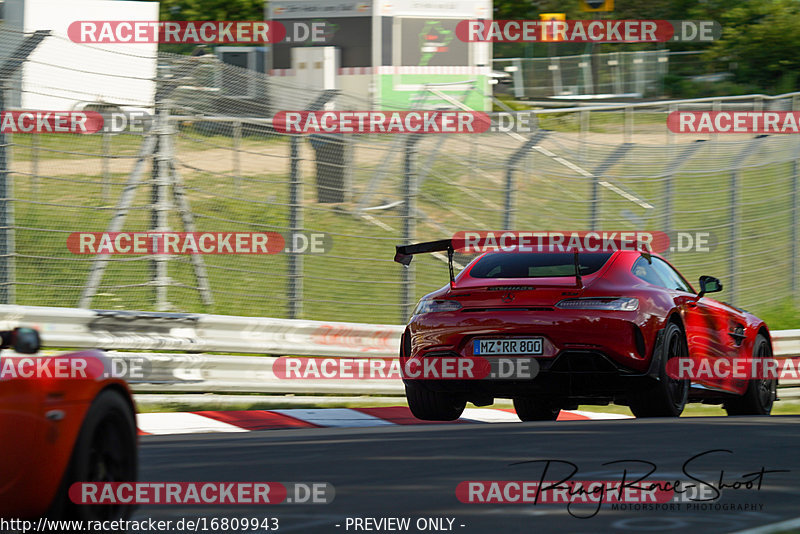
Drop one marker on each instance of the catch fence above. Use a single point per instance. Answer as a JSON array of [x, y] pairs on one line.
[[213, 162]]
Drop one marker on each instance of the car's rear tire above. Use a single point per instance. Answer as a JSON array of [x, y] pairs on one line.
[[532, 409], [105, 451], [667, 396], [760, 393], [433, 405]]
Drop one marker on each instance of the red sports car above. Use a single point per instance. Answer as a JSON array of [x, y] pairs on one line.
[[58, 427], [600, 325]]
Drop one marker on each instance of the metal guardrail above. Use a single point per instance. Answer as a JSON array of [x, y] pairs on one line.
[[208, 373], [135, 330], [121, 332]]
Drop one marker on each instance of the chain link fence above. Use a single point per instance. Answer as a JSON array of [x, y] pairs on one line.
[[212, 162], [632, 74]]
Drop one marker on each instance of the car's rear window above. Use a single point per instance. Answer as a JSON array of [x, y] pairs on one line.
[[536, 264]]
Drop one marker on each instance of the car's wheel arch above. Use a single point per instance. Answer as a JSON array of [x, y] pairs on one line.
[[122, 390], [764, 331], [673, 317], [57, 506]]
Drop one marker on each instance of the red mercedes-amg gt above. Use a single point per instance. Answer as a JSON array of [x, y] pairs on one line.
[[600, 325]]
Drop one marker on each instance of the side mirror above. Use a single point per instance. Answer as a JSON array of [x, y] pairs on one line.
[[709, 284], [25, 340]]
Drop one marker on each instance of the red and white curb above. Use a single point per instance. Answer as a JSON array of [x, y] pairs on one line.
[[249, 420]]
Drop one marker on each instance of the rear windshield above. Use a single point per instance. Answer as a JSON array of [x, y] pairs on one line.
[[537, 264]]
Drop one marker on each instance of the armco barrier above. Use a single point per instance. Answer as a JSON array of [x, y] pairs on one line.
[[133, 330], [190, 371], [211, 373]]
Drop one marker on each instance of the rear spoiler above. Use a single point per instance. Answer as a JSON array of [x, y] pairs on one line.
[[405, 253]]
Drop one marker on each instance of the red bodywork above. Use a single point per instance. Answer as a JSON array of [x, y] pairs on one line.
[[614, 345], [40, 419]]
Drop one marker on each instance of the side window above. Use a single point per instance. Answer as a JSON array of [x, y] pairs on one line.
[[670, 275], [647, 272]]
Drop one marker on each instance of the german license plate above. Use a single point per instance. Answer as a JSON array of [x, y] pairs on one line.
[[487, 347]]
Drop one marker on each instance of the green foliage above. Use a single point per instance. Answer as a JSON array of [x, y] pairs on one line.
[[677, 86], [212, 9], [207, 10], [760, 43], [761, 40], [783, 316]]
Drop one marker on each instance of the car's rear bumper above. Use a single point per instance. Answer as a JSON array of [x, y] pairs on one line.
[[570, 375], [587, 355]]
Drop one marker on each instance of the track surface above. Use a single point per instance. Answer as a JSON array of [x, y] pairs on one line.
[[413, 471]]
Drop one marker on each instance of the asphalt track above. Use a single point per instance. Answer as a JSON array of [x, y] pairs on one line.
[[413, 472]]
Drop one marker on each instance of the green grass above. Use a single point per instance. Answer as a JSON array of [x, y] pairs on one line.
[[462, 188]]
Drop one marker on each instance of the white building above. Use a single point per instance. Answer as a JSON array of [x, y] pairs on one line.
[[64, 75]]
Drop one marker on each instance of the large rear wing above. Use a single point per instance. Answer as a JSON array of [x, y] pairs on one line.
[[405, 253]]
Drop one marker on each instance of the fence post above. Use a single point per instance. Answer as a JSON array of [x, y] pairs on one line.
[[237, 145], [628, 124], [662, 69], [616, 72], [6, 217], [519, 78], [585, 125], [7, 70], [161, 206], [295, 260], [734, 232], [35, 164], [106, 148], [409, 222], [512, 164], [585, 65], [639, 73], [670, 172], [555, 68], [295, 225], [795, 225]]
